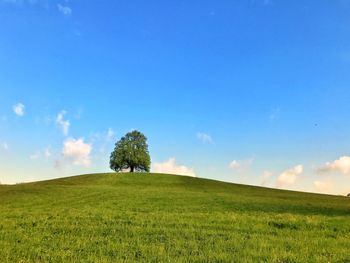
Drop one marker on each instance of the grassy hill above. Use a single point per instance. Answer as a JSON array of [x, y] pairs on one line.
[[159, 218]]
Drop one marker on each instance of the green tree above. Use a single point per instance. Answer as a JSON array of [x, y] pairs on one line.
[[131, 152]]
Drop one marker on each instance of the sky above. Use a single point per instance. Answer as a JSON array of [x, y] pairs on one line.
[[245, 91]]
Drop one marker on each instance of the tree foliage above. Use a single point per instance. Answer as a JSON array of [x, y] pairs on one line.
[[131, 152]]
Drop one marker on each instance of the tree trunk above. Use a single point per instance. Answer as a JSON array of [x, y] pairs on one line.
[[131, 169]]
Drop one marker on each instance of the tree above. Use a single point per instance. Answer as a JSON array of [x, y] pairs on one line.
[[131, 152]]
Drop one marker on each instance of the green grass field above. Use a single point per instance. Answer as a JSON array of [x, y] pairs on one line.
[[166, 218]]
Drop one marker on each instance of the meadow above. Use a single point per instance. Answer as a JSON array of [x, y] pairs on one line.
[[166, 218]]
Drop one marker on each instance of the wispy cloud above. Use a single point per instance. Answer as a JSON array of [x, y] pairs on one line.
[[241, 165], [265, 177], [15, 2], [78, 151], [110, 134], [4, 146], [105, 136], [34, 156], [341, 165], [66, 10], [25, 2], [274, 113], [45, 153], [171, 167], [204, 138], [262, 2], [18, 109], [62, 123], [102, 140], [289, 176], [323, 187], [62, 8]]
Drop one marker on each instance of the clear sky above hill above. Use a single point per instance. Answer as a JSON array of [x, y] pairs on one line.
[[254, 91]]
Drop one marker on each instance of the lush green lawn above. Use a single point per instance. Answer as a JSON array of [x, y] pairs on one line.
[[164, 218]]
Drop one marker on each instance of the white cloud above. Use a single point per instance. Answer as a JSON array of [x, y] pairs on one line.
[[171, 167], [341, 165], [265, 177], [323, 186], [241, 165], [78, 151], [18, 109], [204, 138], [66, 10], [289, 177], [64, 124]]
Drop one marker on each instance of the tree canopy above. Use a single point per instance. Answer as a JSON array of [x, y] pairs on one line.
[[131, 152]]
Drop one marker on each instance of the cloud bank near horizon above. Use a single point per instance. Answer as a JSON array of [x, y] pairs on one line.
[[171, 167]]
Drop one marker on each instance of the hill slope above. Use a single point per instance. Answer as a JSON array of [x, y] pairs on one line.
[[155, 217]]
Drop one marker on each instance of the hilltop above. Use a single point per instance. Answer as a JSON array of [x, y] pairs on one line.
[[155, 217]]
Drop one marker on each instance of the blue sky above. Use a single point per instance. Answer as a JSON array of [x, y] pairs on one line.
[[253, 92]]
